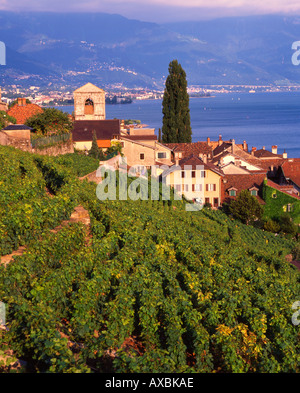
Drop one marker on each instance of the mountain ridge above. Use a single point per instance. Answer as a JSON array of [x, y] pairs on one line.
[[109, 48]]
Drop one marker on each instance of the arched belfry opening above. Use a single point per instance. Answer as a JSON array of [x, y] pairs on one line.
[[89, 107]]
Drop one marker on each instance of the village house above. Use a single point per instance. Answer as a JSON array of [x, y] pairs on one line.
[[195, 178], [233, 184], [232, 153], [22, 110], [184, 150], [141, 148], [18, 131]]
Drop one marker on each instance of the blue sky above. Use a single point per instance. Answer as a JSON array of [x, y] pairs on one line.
[[160, 10]]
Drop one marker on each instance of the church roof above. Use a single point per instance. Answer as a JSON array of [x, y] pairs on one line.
[[89, 88], [105, 130]]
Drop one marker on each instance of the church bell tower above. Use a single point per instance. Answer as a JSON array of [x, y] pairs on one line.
[[89, 103]]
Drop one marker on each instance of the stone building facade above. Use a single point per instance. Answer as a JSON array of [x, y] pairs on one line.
[[89, 103]]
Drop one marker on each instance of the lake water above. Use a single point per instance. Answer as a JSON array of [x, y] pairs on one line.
[[262, 119]]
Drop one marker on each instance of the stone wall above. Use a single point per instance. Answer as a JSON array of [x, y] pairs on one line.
[[61, 148], [25, 145]]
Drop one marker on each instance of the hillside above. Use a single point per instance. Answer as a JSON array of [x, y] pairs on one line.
[[76, 48], [148, 287]]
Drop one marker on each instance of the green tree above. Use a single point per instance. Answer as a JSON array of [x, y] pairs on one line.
[[50, 121], [272, 226], [246, 207], [5, 119], [115, 147], [159, 135], [286, 224], [96, 151], [176, 113]]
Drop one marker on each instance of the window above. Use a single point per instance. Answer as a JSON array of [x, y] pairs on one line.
[[211, 187], [186, 187], [196, 187], [161, 155], [289, 207], [203, 174], [274, 195], [254, 192], [178, 187], [193, 173], [232, 193], [142, 156], [182, 174]]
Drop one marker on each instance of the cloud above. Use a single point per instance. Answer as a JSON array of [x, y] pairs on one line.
[[159, 10]]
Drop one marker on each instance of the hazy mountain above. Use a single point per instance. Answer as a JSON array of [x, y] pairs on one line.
[[106, 49]]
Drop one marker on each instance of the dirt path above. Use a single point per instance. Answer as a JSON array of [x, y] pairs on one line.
[[80, 214], [92, 177]]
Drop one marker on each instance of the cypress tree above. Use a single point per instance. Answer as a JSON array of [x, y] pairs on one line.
[[175, 107], [159, 135], [96, 151]]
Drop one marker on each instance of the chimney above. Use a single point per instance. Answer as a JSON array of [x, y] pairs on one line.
[[245, 147], [274, 149], [208, 140], [205, 159], [21, 101], [264, 147], [284, 155], [232, 145], [253, 150], [220, 140]]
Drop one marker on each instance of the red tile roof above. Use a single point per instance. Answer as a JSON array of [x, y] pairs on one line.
[[286, 189], [194, 160], [243, 182], [291, 170], [22, 113], [267, 164], [187, 149], [262, 153]]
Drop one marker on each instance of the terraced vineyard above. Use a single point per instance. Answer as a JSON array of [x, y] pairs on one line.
[[154, 289]]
